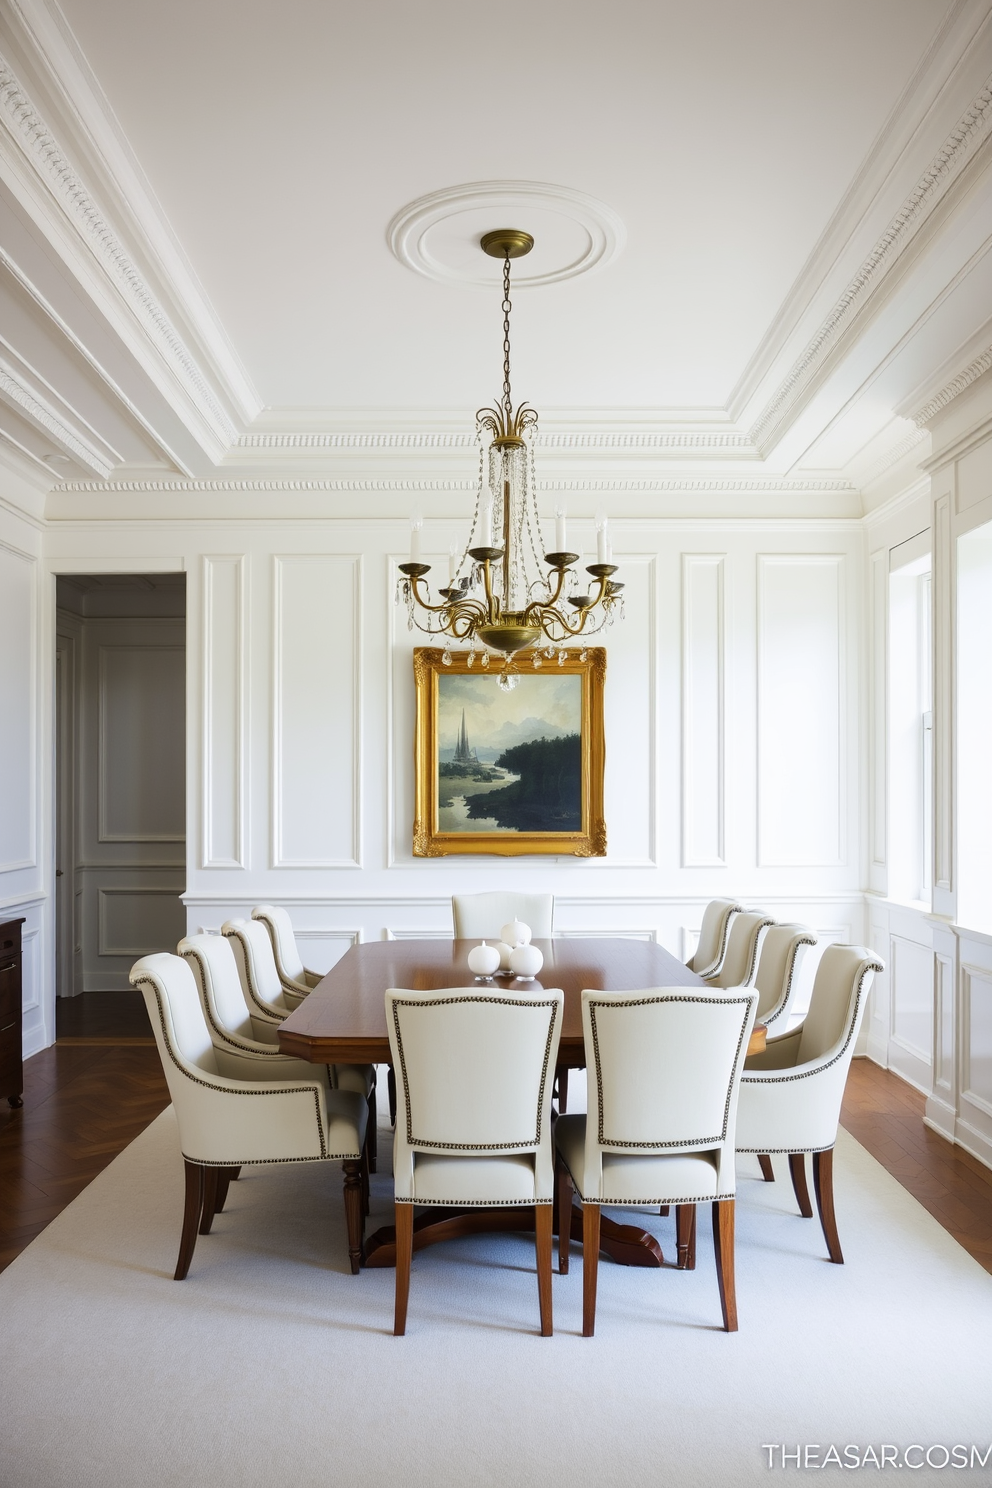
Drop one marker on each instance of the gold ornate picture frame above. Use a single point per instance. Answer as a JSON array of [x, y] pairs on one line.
[[509, 772]]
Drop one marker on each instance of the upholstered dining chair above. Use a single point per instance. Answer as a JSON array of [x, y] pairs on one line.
[[256, 963], [777, 977], [791, 1094], [473, 1122], [664, 1074], [482, 916], [711, 947], [740, 964], [233, 1110], [296, 979]]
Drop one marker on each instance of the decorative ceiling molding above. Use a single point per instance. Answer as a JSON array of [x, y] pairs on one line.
[[969, 374], [958, 150], [867, 475], [590, 235], [14, 390], [706, 442], [37, 144], [774, 485]]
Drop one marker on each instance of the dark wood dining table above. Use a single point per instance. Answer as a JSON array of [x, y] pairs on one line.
[[343, 1021]]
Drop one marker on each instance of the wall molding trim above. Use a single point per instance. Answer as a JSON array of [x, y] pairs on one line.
[[959, 149], [37, 410], [39, 147], [952, 389]]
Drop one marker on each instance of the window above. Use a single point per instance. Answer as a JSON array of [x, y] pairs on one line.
[[910, 726], [973, 688]]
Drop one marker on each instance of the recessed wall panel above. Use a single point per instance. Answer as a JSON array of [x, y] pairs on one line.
[[142, 743], [800, 714], [223, 712], [316, 761], [702, 711]]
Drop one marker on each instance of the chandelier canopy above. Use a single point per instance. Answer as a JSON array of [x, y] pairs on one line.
[[498, 594]]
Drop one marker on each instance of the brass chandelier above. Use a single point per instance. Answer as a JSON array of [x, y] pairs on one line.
[[498, 596]]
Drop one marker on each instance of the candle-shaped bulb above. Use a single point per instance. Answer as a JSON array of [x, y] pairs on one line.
[[416, 527], [602, 539], [561, 536], [452, 564]]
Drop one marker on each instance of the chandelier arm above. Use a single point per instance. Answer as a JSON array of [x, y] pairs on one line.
[[435, 609]]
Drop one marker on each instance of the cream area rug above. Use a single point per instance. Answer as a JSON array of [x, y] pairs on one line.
[[272, 1365]]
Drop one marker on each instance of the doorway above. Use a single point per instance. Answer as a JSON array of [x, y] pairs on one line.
[[120, 797]]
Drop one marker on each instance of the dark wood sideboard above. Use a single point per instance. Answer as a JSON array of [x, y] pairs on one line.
[[11, 1062]]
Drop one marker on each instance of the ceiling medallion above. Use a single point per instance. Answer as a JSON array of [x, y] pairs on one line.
[[438, 235], [497, 593]]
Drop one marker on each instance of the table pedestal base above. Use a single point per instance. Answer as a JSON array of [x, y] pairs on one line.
[[627, 1244]]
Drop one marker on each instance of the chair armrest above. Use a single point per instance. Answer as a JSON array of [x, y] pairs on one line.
[[312, 978], [243, 1064], [779, 1053]]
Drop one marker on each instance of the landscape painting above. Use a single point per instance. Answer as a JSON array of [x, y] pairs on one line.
[[515, 770]]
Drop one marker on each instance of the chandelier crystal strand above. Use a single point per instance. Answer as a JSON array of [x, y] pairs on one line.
[[507, 602]]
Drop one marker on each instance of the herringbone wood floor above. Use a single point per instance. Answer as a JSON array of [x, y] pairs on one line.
[[101, 1084]]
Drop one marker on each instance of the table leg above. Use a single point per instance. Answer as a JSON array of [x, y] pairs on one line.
[[628, 1245]]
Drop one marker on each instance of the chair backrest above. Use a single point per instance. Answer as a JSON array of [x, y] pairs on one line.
[[474, 1070], [664, 1072], [482, 916], [837, 1003], [712, 945], [177, 1018], [215, 973], [776, 978], [289, 962], [741, 961], [256, 963]]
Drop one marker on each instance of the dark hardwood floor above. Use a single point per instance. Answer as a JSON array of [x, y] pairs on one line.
[[101, 1084], [85, 1099]]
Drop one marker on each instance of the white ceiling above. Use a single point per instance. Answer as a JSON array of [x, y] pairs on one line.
[[196, 196]]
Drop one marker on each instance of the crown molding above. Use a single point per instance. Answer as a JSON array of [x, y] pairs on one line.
[[683, 442], [15, 390], [959, 152], [756, 484], [975, 369]]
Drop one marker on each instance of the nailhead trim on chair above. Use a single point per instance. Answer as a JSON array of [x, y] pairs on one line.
[[473, 1146], [784, 1079], [263, 1007], [711, 969], [783, 1000], [220, 1090], [475, 1203], [234, 1039], [645, 1002]]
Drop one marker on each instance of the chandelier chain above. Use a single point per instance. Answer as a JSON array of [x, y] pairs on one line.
[[507, 307]]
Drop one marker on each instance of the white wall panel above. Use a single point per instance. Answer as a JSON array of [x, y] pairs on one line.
[[703, 711], [18, 751], [224, 713], [317, 712], [142, 755], [911, 983], [134, 921], [800, 710], [977, 1062]]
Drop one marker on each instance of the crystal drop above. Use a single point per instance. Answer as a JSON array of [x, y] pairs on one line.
[[485, 658], [446, 659], [471, 659], [538, 660], [583, 655], [561, 658]]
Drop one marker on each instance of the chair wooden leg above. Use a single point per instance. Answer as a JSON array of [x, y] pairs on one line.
[[191, 1218], [765, 1164], [404, 1257], [685, 1236], [391, 1093], [209, 1200], [823, 1185], [235, 1173], [723, 1245], [797, 1167], [223, 1184], [372, 1132], [354, 1209], [544, 1216], [665, 1210], [590, 1267], [562, 1084], [564, 1191]]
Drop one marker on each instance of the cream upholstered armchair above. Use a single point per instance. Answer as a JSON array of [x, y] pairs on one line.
[[256, 965], [664, 1073], [296, 979], [473, 1122], [482, 916], [740, 964], [233, 1110], [711, 947], [777, 977], [232, 1021], [791, 1094]]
